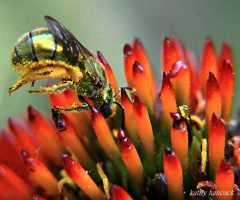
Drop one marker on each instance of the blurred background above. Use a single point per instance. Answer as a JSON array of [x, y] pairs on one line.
[[107, 26]]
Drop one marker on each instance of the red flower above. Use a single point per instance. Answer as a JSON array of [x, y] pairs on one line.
[[87, 156]]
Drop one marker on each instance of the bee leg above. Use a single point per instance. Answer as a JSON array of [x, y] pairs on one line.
[[59, 121], [16, 86], [74, 108], [61, 87]]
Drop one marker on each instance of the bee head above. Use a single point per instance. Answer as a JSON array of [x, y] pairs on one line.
[[104, 102]]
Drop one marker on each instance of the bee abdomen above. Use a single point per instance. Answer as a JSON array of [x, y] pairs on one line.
[[31, 47], [38, 45], [54, 51]]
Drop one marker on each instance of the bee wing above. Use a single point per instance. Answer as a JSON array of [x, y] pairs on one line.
[[76, 49]]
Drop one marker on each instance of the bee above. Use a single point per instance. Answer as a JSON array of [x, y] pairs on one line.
[[53, 52]]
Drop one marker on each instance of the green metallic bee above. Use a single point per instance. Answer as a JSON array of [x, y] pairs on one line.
[[54, 52]]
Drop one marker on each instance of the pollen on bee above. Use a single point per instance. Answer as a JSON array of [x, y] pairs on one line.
[[115, 133]]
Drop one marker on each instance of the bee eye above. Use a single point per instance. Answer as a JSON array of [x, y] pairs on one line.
[[106, 109]]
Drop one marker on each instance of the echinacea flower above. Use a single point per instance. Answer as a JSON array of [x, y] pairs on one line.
[[178, 142]]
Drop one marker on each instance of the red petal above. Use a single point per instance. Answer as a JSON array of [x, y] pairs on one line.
[[194, 78], [129, 116], [109, 72], [129, 59], [213, 98], [82, 178], [104, 135], [46, 135], [226, 85], [27, 139], [131, 160], [179, 139], [66, 99], [10, 154], [216, 144], [208, 63], [225, 180], [143, 86], [168, 100], [36, 197], [119, 193], [178, 73], [169, 54], [71, 140], [146, 133], [225, 54], [180, 49], [142, 58], [40, 174], [173, 172], [12, 186]]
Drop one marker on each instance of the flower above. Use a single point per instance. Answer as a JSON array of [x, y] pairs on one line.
[[178, 142]]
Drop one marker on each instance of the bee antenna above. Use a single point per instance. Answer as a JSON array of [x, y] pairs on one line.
[[123, 115], [119, 91]]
